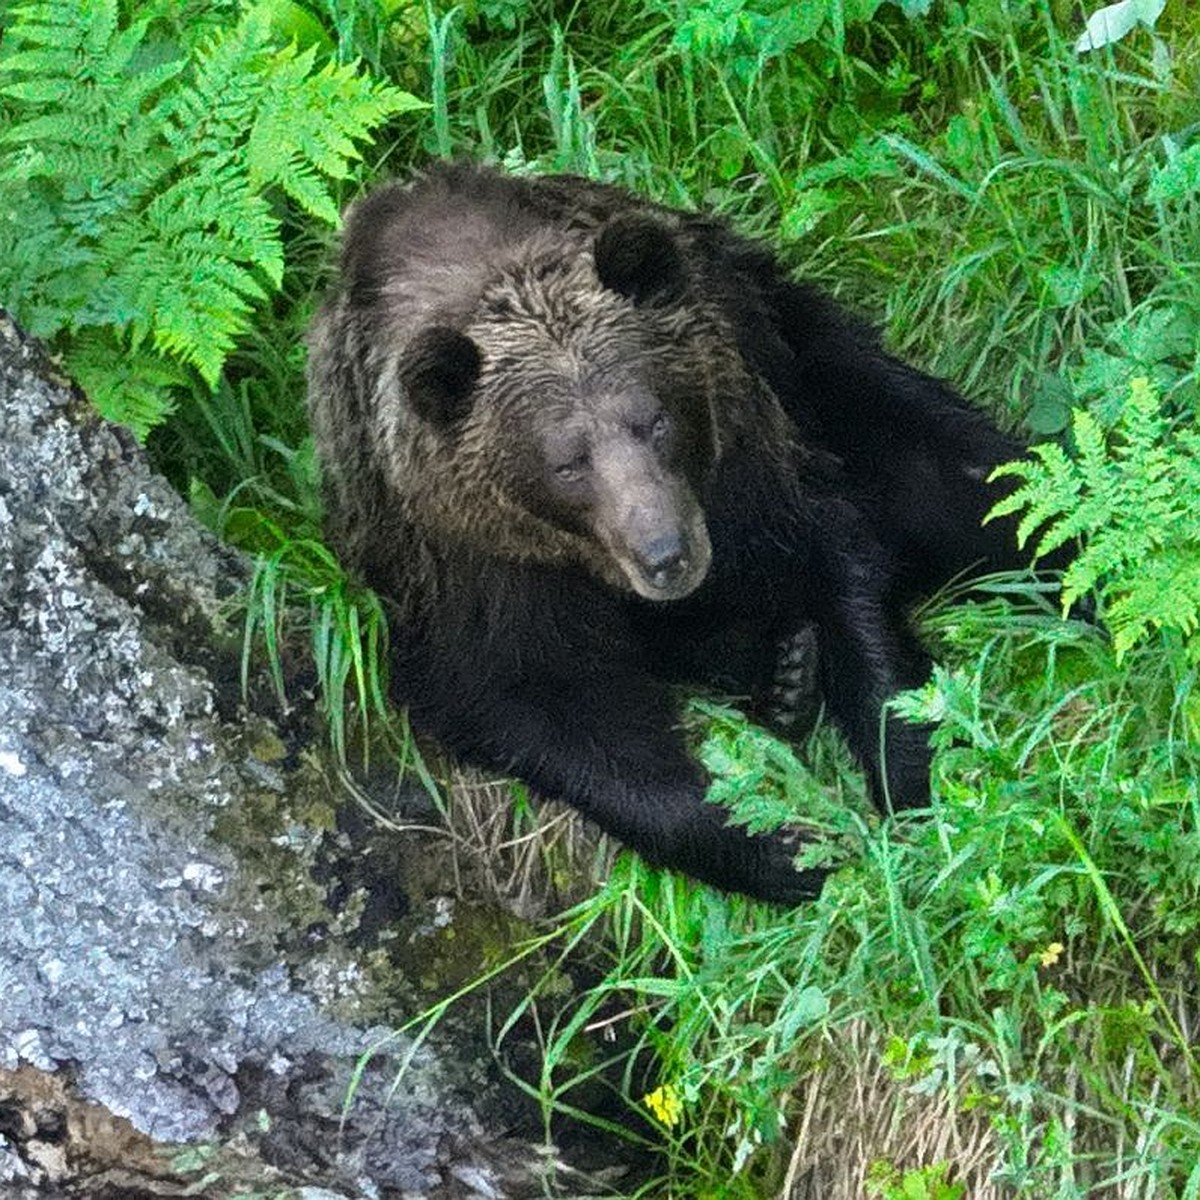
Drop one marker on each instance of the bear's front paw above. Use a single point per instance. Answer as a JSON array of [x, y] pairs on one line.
[[794, 697], [774, 873]]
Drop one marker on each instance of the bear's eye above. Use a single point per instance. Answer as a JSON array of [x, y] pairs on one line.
[[571, 471], [652, 431]]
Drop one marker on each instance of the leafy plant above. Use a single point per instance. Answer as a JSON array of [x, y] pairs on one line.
[[925, 1183], [1131, 494], [750, 30], [1112, 22], [140, 185]]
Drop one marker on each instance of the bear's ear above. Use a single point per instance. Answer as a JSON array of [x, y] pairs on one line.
[[639, 258], [438, 370]]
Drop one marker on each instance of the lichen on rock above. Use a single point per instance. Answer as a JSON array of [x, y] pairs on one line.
[[147, 965]]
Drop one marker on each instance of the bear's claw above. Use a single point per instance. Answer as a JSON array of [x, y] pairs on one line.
[[794, 698]]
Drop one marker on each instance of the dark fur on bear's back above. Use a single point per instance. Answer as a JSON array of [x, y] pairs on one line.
[[588, 446]]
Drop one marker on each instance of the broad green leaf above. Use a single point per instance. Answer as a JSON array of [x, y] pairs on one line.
[[1112, 22], [1178, 178]]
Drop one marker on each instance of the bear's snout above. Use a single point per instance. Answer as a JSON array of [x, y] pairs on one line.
[[665, 561], [648, 520]]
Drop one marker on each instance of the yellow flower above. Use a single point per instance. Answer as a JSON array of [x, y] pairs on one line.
[[1051, 954], [664, 1102]]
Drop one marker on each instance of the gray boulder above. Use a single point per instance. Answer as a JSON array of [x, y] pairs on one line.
[[152, 990]]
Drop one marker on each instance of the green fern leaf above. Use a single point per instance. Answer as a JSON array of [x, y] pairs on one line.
[[1133, 496], [140, 178], [1049, 488], [132, 387], [301, 133], [1165, 593]]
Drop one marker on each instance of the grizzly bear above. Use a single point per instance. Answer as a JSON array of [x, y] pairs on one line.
[[588, 447]]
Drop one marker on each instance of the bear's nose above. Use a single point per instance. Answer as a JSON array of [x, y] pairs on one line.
[[663, 559]]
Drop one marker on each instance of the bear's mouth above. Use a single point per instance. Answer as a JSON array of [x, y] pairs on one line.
[[670, 566]]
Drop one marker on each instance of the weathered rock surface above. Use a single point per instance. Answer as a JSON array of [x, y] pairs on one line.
[[150, 986]]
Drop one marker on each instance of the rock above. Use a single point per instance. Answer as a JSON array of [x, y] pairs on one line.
[[151, 989]]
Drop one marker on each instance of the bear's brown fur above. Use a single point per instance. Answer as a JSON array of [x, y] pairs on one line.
[[588, 446]]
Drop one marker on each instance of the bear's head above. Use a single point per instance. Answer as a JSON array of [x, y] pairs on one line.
[[571, 398]]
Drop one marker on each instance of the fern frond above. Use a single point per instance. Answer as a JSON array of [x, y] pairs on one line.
[[1049, 488], [132, 387], [139, 178], [1133, 496], [1100, 558], [301, 133], [1164, 594], [80, 27], [208, 120], [38, 254]]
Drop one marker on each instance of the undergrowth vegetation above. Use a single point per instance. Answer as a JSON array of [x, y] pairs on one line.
[[994, 998], [141, 158]]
